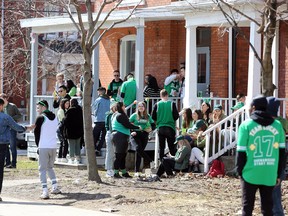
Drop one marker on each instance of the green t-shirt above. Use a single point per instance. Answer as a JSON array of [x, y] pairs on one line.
[[172, 87], [113, 87], [144, 123], [165, 114], [261, 144], [129, 89], [117, 126]]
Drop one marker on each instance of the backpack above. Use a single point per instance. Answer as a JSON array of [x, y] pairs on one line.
[[217, 169]]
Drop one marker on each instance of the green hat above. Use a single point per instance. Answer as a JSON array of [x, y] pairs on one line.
[[198, 124], [237, 106], [217, 107], [178, 138]]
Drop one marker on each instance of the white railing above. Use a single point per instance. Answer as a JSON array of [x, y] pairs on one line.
[[222, 136]]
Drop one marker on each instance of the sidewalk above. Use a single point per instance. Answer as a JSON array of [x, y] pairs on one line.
[[16, 207], [22, 207]]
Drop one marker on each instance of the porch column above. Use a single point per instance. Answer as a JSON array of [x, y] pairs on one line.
[[95, 67], [275, 60], [33, 81], [190, 98], [139, 60], [254, 68]]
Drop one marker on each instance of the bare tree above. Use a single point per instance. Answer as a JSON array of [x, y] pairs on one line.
[[89, 41], [267, 27]]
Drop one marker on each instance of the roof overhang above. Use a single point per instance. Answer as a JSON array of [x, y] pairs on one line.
[[64, 23]]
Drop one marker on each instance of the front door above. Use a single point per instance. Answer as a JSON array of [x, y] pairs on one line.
[[203, 73]]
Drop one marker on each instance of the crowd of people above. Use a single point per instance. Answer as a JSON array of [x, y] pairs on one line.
[[260, 144]]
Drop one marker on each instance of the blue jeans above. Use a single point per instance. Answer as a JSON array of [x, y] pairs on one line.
[[3, 148], [13, 148], [277, 201]]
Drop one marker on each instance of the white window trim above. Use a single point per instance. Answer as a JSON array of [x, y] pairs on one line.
[[123, 51]]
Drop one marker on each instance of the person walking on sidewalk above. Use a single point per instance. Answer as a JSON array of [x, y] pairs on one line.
[[261, 153], [6, 125], [45, 138], [12, 110]]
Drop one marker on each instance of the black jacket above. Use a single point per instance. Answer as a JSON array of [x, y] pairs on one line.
[[73, 123]]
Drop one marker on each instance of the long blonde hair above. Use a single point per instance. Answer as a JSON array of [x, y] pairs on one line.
[[145, 114]]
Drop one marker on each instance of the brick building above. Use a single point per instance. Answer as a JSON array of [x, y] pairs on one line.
[[175, 32]]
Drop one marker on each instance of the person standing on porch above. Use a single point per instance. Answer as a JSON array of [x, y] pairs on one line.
[[182, 86], [12, 110], [6, 125], [100, 107], [261, 152], [165, 115], [172, 83], [128, 93], [62, 93], [45, 138], [114, 86]]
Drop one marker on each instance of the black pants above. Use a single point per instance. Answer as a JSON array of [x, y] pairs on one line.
[[120, 159], [3, 148], [63, 148], [167, 165], [248, 198], [99, 133], [169, 134], [141, 140]]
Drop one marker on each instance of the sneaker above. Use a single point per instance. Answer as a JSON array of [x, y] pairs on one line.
[[126, 175], [64, 160], [110, 173], [44, 196], [136, 174], [70, 161], [10, 166], [56, 191], [77, 162], [117, 175]]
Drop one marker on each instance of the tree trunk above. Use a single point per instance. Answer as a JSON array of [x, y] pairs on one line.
[[93, 174], [267, 67]]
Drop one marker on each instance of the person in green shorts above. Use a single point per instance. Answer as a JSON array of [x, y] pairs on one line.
[[261, 151]]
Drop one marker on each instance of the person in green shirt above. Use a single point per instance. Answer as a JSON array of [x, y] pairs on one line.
[[128, 93], [261, 152], [140, 137], [114, 86], [172, 83], [165, 114]]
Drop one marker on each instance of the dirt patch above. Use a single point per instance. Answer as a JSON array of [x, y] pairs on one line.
[[181, 195]]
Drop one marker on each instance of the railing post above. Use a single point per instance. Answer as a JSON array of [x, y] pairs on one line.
[[207, 146], [156, 154]]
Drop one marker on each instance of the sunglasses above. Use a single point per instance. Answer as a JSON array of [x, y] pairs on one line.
[[116, 75]]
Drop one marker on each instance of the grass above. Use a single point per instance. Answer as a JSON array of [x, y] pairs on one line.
[[24, 163]]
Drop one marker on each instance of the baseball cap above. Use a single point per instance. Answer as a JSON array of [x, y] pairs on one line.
[[217, 107], [43, 103], [260, 103], [198, 124], [178, 138]]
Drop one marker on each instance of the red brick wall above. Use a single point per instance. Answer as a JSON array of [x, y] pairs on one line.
[[242, 58], [219, 64], [283, 60], [164, 49]]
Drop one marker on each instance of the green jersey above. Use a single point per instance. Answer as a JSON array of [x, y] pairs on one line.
[[261, 144], [129, 89], [144, 123], [173, 88], [112, 89], [165, 114]]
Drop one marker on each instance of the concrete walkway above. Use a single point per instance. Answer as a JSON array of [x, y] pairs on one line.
[[15, 207], [21, 207]]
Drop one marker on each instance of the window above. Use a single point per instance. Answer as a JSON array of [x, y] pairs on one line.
[[127, 54]]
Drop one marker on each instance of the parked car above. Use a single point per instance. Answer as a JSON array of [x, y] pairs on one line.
[[20, 137]]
